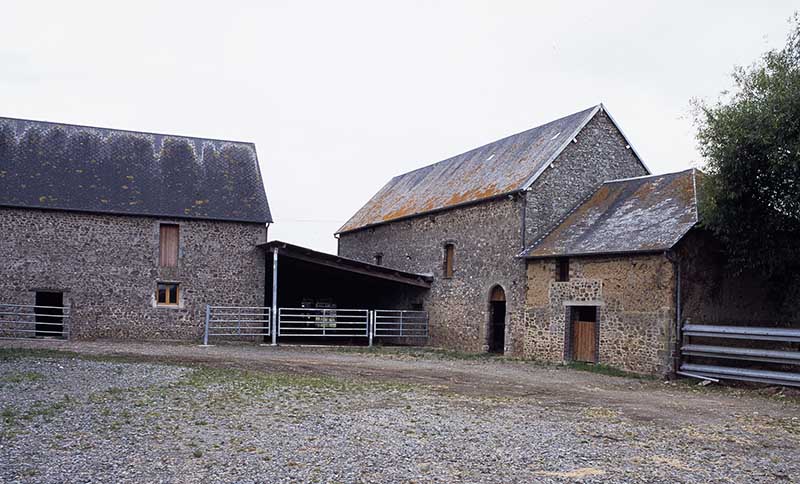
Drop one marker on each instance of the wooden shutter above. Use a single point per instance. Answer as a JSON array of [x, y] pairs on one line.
[[168, 248], [449, 252]]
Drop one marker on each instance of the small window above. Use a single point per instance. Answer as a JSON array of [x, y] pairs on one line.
[[167, 293], [378, 259], [562, 269], [168, 245], [449, 254]]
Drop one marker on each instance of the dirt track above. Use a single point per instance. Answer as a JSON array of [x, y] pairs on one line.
[[647, 400]]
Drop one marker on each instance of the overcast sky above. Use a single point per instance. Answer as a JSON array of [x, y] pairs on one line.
[[340, 96]]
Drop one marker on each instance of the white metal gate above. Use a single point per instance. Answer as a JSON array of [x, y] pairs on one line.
[[233, 321], [309, 322], [400, 324], [237, 321], [20, 321]]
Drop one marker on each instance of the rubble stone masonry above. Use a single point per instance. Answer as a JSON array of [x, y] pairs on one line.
[[108, 267], [488, 236], [635, 297]]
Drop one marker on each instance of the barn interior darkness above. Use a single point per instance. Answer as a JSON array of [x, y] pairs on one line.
[[307, 284]]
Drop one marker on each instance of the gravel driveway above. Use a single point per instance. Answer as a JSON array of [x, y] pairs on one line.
[[178, 413]]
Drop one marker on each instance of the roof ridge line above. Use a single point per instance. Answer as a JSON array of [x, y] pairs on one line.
[[123, 130], [493, 142], [641, 177]]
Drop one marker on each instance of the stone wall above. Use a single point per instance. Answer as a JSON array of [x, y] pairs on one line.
[[600, 154], [108, 266], [636, 309], [486, 238]]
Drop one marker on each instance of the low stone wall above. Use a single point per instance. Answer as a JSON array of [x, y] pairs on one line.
[[107, 266], [635, 300]]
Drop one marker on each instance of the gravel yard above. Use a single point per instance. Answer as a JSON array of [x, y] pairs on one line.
[[161, 413]]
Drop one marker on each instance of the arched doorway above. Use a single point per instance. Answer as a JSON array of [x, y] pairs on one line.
[[497, 320]]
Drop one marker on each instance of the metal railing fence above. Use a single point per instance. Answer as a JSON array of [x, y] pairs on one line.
[[237, 321], [400, 324], [308, 322], [234, 321], [783, 353], [21, 321]]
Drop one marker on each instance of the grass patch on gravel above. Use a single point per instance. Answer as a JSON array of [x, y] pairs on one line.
[[420, 352], [16, 353], [25, 376], [256, 382], [605, 370]]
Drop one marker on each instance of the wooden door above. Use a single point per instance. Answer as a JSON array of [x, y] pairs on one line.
[[584, 341]]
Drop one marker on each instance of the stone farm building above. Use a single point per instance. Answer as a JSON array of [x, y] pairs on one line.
[[556, 244], [467, 218], [135, 231]]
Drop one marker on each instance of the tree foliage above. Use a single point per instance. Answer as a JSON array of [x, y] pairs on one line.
[[751, 143]]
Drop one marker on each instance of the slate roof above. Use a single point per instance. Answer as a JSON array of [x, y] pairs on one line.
[[499, 168], [87, 169], [645, 214]]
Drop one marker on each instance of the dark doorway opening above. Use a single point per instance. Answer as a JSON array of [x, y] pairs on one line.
[[583, 334], [49, 320], [331, 285], [497, 320]]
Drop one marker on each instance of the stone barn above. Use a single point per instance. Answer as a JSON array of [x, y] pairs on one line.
[[614, 282], [134, 232], [466, 219]]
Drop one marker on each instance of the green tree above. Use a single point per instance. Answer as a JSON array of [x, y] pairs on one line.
[[750, 140]]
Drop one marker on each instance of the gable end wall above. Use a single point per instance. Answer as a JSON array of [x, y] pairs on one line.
[[599, 155], [487, 237]]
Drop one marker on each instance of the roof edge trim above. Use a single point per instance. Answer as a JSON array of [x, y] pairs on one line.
[[136, 214], [600, 254], [625, 137], [561, 148]]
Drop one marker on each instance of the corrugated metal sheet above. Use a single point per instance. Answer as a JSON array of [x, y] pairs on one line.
[[81, 168], [640, 214], [498, 168]]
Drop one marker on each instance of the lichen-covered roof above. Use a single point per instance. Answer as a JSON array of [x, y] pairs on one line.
[[645, 214], [496, 169], [79, 168]]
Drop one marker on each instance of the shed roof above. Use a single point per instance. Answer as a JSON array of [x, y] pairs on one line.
[[79, 168], [499, 168], [349, 265], [644, 214]]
